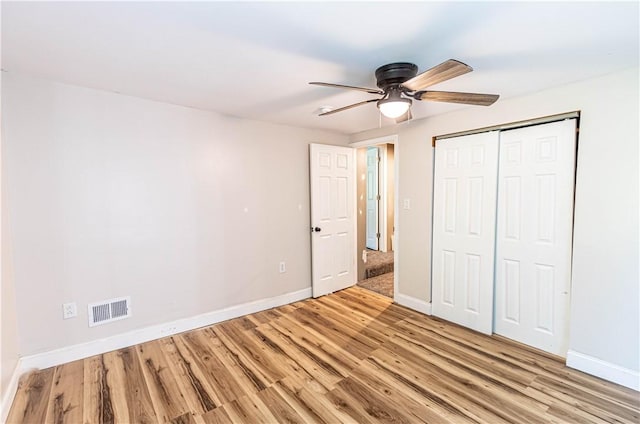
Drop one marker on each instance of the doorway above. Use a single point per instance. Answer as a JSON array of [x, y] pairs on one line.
[[376, 169], [338, 208]]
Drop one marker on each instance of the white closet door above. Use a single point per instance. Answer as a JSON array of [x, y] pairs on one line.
[[465, 181], [534, 232]]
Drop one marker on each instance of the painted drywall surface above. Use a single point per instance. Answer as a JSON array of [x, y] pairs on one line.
[[414, 221], [605, 321], [184, 210], [8, 319], [8, 325], [605, 282]]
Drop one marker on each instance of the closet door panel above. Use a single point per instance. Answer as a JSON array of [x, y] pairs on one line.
[[465, 181], [534, 233]]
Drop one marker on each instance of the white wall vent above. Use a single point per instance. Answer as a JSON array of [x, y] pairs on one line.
[[109, 311]]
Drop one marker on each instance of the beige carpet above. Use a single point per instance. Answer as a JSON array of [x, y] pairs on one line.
[[378, 273], [382, 284], [378, 263]]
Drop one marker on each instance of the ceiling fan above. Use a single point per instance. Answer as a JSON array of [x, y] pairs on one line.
[[399, 83]]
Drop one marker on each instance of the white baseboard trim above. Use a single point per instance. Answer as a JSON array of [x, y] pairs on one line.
[[10, 392], [606, 370], [96, 347], [413, 303]]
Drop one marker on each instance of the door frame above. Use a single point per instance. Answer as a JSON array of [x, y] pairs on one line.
[[388, 139]]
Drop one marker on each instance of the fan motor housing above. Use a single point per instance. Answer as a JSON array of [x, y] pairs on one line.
[[395, 73]]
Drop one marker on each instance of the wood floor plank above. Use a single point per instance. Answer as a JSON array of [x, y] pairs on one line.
[[352, 342], [224, 384], [129, 393], [115, 384], [293, 361], [97, 400], [65, 401], [246, 379], [216, 416], [416, 405], [32, 398], [501, 382], [347, 409], [367, 303], [188, 418], [527, 361], [335, 359], [253, 354], [501, 400], [378, 407], [381, 322], [279, 407], [598, 406], [307, 404], [259, 318], [566, 411], [197, 391], [443, 393], [304, 364], [509, 353], [370, 329], [375, 304], [349, 357], [166, 396], [249, 409], [479, 361]]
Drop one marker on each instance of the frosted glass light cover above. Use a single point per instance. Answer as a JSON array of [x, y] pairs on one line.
[[394, 109]]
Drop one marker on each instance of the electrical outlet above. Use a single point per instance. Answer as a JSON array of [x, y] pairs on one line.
[[69, 310], [283, 267]]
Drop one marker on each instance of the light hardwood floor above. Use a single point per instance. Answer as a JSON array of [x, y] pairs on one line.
[[352, 356]]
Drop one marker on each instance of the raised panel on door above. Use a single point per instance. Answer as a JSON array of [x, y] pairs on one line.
[[465, 179], [534, 233], [333, 213]]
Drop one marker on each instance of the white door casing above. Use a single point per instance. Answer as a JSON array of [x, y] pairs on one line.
[[373, 204], [332, 172], [465, 180], [534, 234]]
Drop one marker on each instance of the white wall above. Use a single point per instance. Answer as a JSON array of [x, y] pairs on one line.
[[184, 210], [8, 326], [9, 352], [605, 306]]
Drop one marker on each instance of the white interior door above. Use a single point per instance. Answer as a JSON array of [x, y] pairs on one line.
[[332, 171], [534, 233], [373, 204], [465, 180]]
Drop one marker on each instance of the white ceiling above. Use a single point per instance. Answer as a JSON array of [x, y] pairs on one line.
[[254, 59]]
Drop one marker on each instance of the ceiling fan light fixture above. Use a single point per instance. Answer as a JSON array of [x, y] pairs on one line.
[[394, 107]]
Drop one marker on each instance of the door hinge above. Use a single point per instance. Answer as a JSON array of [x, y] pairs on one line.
[[377, 235], [378, 197]]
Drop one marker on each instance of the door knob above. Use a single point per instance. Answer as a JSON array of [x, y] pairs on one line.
[[316, 229]]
